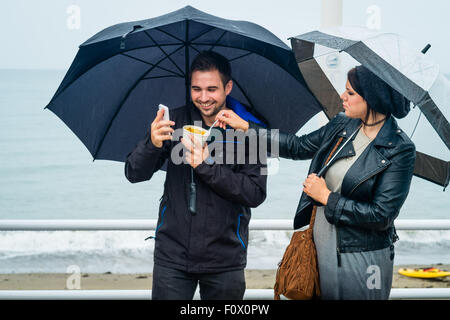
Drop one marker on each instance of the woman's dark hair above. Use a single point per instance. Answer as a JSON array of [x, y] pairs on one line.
[[354, 82], [210, 60]]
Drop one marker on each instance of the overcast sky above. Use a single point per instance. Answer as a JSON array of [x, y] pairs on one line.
[[45, 34]]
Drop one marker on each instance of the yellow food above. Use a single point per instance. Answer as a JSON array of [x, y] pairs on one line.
[[196, 131]]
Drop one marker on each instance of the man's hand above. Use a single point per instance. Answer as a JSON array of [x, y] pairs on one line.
[[194, 153], [161, 129]]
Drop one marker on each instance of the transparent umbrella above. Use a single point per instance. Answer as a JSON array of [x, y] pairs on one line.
[[324, 58]]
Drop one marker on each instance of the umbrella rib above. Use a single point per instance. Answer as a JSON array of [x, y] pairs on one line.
[[244, 93], [170, 35], [158, 77], [124, 99], [151, 46], [227, 46], [230, 60], [169, 44], [251, 105], [321, 55], [415, 127], [198, 51], [244, 55], [151, 64], [217, 41], [168, 56], [202, 34], [69, 84], [288, 70], [183, 41]]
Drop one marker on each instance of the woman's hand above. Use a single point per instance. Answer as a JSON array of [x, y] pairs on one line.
[[316, 188], [229, 117]]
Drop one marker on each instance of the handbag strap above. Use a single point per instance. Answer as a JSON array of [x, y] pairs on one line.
[[313, 214]]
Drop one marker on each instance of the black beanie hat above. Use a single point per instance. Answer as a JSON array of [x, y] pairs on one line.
[[379, 95]]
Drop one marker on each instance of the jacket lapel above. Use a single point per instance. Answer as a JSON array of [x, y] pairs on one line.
[[371, 161]]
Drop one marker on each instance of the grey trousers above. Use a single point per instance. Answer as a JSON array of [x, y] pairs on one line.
[[361, 276], [173, 284]]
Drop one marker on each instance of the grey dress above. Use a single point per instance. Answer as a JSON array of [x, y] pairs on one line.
[[362, 275]]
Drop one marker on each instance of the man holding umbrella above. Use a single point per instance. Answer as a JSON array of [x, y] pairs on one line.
[[207, 246], [108, 99]]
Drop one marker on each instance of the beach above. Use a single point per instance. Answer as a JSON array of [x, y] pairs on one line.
[[255, 279]]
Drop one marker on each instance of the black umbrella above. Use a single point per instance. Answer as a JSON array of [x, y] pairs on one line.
[[324, 57], [112, 90]]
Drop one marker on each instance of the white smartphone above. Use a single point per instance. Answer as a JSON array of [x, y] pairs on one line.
[[166, 111]]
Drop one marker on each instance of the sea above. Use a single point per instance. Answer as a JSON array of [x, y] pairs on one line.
[[47, 173]]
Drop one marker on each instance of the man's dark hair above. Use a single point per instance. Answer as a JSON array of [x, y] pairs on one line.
[[210, 60]]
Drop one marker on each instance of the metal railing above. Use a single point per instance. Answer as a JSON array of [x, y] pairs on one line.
[[147, 224], [140, 224], [250, 294]]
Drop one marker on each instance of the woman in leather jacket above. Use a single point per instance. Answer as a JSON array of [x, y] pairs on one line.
[[361, 191]]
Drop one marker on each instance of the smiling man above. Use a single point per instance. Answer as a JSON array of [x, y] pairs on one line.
[[208, 247], [210, 85]]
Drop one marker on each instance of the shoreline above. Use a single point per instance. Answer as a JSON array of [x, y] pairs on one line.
[[255, 279]]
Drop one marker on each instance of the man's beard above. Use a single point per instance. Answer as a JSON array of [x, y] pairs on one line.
[[212, 112]]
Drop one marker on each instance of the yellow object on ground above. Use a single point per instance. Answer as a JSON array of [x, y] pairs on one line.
[[424, 273]]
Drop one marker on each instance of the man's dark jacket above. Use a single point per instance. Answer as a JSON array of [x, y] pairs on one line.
[[373, 189], [215, 238]]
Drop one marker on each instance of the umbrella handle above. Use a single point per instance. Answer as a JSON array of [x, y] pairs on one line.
[[193, 195], [193, 199]]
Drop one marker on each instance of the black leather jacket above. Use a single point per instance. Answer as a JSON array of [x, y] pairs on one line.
[[373, 190]]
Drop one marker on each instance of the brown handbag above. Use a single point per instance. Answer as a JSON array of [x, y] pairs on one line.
[[298, 275]]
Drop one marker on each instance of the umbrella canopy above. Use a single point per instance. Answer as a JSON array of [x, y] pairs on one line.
[[110, 93], [325, 57]]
